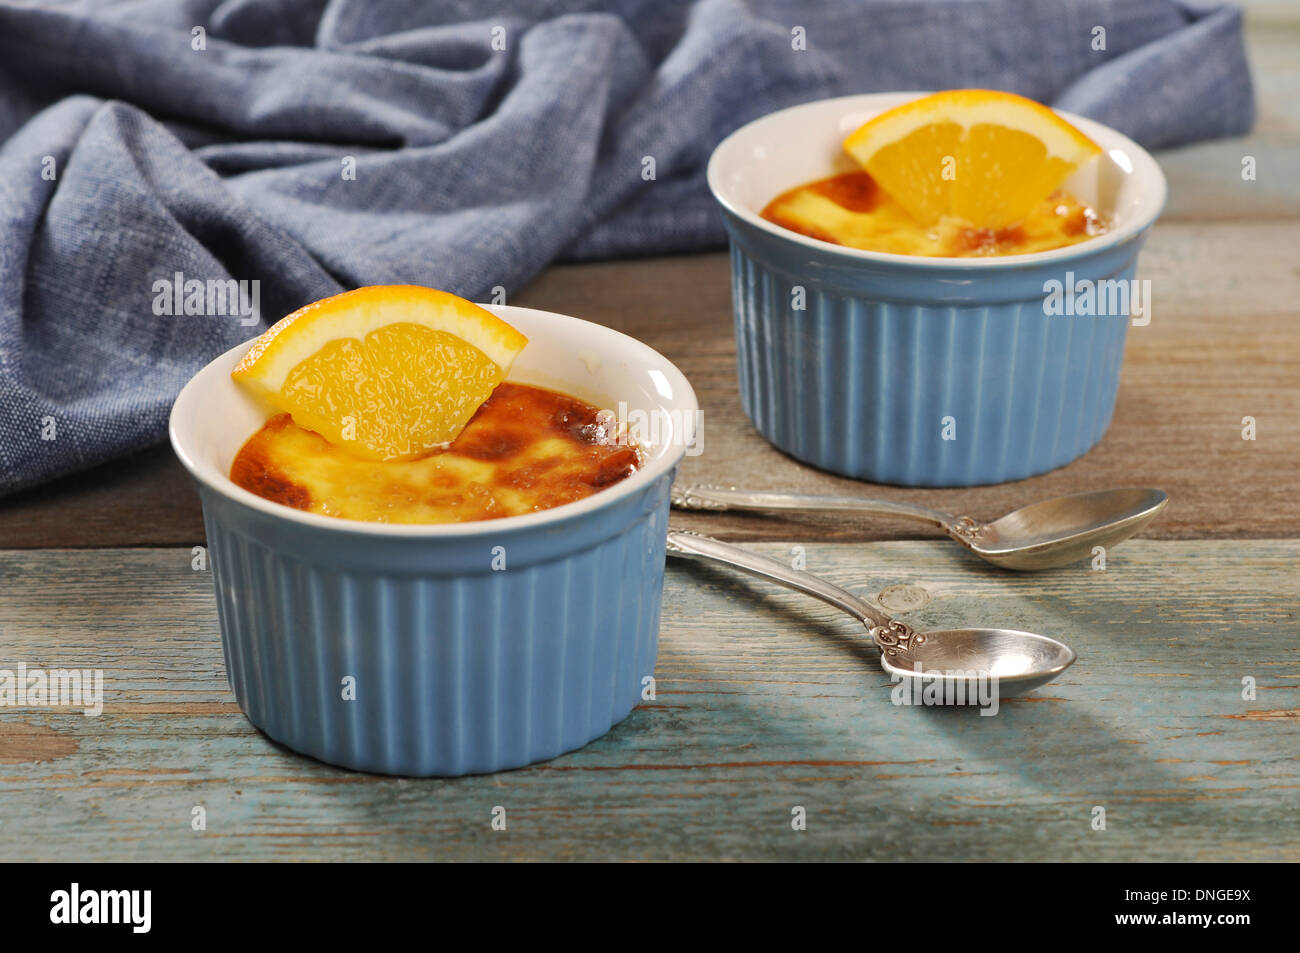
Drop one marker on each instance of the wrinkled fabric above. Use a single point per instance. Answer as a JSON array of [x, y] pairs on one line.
[[315, 145]]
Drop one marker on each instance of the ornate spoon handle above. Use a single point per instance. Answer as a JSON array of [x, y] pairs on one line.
[[890, 635], [702, 497]]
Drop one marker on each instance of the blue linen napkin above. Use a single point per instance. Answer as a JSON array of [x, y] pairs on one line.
[[152, 150]]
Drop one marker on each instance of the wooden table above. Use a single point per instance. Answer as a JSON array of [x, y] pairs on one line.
[[769, 701]]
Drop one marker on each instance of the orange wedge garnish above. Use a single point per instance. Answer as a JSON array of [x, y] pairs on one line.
[[984, 156], [388, 372]]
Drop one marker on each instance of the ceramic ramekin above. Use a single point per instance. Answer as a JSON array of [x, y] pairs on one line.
[[444, 650], [920, 371]]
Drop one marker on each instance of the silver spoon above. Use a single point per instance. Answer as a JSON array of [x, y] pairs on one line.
[[1019, 661], [1041, 535]]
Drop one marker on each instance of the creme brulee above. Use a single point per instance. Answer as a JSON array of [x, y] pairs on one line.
[[851, 210], [526, 449]]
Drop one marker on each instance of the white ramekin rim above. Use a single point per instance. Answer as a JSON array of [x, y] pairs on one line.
[[778, 126], [680, 394]]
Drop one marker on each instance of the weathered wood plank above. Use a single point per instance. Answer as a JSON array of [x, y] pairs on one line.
[[767, 700], [1223, 343]]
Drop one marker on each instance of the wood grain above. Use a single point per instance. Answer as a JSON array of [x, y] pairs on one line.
[[767, 700], [1223, 343]]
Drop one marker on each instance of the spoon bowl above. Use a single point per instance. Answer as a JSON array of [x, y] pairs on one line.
[[1065, 529], [1019, 661]]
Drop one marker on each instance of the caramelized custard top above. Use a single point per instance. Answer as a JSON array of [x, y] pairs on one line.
[[526, 449], [851, 210]]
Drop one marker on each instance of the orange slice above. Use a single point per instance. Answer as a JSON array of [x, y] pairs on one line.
[[984, 156], [389, 372]]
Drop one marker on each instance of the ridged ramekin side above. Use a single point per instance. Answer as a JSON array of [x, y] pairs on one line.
[[895, 382], [379, 664]]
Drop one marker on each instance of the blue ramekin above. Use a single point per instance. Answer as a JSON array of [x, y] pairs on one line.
[[921, 371], [444, 650]]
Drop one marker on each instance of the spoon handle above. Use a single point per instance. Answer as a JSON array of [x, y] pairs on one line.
[[890, 635], [701, 497]]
